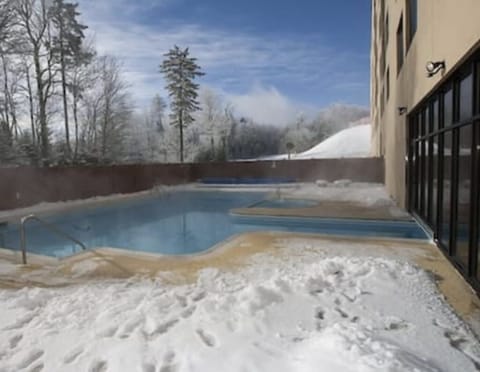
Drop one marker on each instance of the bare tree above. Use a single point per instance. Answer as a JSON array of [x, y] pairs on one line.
[[35, 24], [152, 130], [6, 21], [210, 116], [81, 79], [108, 108], [12, 78], [7, 18], [30, 96], [215, 119]]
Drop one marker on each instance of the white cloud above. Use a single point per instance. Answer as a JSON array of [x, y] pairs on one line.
[[118, 9], [235, 62], [267, 106]]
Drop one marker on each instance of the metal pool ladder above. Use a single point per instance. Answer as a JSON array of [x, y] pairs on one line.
[[49, 226]]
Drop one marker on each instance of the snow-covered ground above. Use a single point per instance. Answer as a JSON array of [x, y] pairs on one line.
[[353, 142], [304, 311]]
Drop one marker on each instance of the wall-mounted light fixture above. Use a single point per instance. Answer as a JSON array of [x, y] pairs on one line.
[[434, 67], [402, 110]]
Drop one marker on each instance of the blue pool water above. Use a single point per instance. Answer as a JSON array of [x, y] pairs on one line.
[[181, 223]]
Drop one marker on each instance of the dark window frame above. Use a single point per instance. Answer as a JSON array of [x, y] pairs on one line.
[[412, 21], [400, 45], [387, 31], [387, 83]]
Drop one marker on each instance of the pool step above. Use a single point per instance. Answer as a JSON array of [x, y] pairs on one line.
[[333, 226]]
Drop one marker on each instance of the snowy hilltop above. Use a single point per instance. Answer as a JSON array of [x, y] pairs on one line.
[[354, 142]]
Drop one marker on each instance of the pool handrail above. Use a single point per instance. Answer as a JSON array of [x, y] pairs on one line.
[[47, 225]]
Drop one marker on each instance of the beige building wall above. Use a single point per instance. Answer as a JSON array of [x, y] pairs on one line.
[[448, 30]]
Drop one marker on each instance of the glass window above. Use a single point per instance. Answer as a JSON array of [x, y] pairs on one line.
[[427, 171], [382, 10], [477, 151], [435, 116], [477, 88], [387, 26], [466, 98], [423, 174], [448, 108], [417, 176], [411, 164], [388, 83], [435, 182], [435, 164], [412, 19], [382, 101], [400, 51], [464, 196], [446, 190]]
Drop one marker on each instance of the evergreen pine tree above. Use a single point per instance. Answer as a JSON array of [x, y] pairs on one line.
[[180, 71], [67, 48]]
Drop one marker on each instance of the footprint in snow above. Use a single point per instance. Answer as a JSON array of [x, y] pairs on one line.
[[199, 296], [31, 358], [460, 341], [37, 368], [98, 366], [342, 313], [148, 367], [182, 300], [319, 317], [129, 327], [456, 339], [14, 341], [168, 363], [188, 312], [161, 329], [108, 331], [206, 338], [72, 355], [20, 323], [397, 325], [320, 314]]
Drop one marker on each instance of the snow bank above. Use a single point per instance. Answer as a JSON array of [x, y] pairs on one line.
[[353, 142], [310, 312]]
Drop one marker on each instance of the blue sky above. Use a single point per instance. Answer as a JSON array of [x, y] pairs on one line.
[[285, 56]]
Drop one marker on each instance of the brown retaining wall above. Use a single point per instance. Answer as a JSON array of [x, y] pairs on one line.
[[25, 186]]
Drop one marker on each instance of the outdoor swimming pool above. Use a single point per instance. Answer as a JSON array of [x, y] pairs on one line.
[[179, 223]]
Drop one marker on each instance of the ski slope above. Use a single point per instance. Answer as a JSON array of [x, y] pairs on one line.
[[349, 143], [354, 142]]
